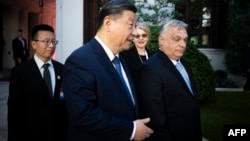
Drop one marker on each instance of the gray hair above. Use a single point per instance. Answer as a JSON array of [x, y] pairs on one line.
[[143, 26], [173, 22]]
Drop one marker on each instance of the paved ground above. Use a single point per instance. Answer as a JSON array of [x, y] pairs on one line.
[[4, 93], [3, 109]]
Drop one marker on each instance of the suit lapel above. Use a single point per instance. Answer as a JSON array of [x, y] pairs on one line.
[[131, 84], [57, 80], [108, 65], [189, 75], [173, 69], [37, 74], [125, 67], [135, 57]]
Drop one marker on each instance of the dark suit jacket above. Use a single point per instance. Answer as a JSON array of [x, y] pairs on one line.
[[18, 49], [164, 97], [133, 60], [98, 105], [32, 114]]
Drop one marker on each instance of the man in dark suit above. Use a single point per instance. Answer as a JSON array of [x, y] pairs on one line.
[[35, 113], [101, 106], [20, 48], [163, 95]]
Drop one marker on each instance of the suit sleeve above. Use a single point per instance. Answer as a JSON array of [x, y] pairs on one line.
[[14, 49], [151, 103], [80, 90], [16, 125]]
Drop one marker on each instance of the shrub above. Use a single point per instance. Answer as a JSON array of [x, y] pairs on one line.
[[203, 73], [153, 44], [222, 80]]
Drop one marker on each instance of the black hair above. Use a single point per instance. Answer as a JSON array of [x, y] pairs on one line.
[[113, 7], [40, 27]]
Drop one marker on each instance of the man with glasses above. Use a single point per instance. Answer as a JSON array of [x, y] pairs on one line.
[[36, 107]]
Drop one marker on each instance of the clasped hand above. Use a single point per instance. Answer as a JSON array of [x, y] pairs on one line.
[[142, 131]]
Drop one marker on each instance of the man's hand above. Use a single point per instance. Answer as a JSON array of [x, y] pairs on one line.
[[142, 131], [19, 60]]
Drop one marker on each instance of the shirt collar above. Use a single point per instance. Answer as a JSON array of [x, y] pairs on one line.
[[40, 63], [175, 61], [106, 49], [172, 60]]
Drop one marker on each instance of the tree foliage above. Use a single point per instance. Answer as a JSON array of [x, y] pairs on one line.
[[154, 12], [238, 35]]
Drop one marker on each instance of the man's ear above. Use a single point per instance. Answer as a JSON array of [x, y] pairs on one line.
[[107, 22], [160, 39], [33, 44]]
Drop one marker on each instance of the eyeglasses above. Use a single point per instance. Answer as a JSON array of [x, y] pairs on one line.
[[48, 42], [138, 36]]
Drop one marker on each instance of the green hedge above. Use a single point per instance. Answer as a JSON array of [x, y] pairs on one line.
[[200, 65], [203, 73], [153, 44]]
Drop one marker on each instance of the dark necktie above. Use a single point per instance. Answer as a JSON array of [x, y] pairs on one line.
[[117, 62], [47, 78], [184, 74]]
